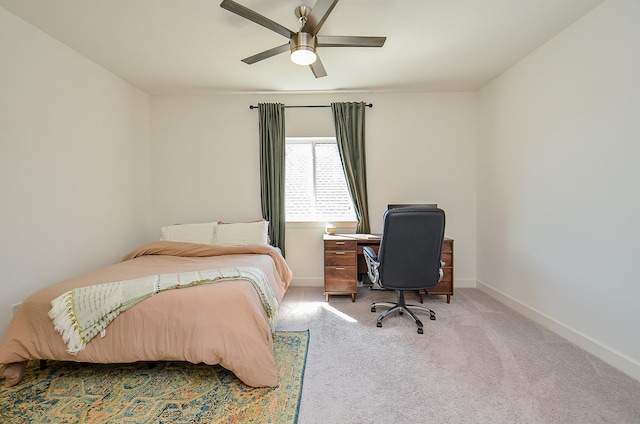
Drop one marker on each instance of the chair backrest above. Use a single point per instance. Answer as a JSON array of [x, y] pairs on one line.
[[411, 247]]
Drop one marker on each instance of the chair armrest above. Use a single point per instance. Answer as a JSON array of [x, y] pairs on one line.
[[368, 251], [371, 257]]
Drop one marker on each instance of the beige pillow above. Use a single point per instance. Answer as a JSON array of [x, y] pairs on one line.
[[192, 233], [241, 233]]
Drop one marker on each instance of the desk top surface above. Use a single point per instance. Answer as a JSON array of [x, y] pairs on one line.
[[359, 237]]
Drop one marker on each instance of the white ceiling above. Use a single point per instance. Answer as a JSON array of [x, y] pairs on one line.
[[195, 46]]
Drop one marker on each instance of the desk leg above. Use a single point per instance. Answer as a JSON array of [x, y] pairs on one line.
[[422, 293], [353, 297]]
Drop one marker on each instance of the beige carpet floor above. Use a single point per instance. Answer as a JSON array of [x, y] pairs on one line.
[[479, 362]]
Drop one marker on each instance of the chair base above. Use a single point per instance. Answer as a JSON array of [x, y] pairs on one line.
[[401, 307]]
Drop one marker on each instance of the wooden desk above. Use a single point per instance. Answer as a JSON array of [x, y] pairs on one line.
[[344, 260]]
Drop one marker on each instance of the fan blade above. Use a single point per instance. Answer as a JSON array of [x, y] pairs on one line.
[[319, 13], [349, 41], [318, 68], [249, 14], [266, 54]]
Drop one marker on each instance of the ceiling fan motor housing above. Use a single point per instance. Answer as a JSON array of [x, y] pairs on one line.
[[305, 41]]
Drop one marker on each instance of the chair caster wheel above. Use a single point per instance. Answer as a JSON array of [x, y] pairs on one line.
[[378, 324], [420, 331], [400, 313], [373, 309], [432, 317]]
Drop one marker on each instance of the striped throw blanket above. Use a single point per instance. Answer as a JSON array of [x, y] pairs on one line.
[[80, 314]]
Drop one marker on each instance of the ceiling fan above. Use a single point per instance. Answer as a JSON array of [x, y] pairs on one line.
[[302, 44]]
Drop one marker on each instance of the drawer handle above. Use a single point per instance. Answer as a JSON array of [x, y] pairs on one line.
[[340, 268], [341, 242], [340, 253]]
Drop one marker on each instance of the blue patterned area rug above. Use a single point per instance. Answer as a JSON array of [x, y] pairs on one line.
[[170, 392]]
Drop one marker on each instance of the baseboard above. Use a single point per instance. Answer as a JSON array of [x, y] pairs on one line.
[[616, 359], [319, 282], [308, 282], [467, 284]]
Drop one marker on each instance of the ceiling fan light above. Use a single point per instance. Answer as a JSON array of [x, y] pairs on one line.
[[303, 48], [303, 57]]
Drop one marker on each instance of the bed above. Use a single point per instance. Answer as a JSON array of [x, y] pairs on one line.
[[223, 323]]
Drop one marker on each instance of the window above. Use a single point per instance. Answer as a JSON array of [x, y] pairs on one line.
[[315, 188]]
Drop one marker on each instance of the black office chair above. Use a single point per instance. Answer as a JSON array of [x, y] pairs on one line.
[[409, 257]]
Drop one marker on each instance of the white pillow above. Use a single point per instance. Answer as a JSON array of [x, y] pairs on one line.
[[192, 233], [241, 233]]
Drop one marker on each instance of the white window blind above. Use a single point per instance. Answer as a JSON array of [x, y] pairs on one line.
[[315, 188]]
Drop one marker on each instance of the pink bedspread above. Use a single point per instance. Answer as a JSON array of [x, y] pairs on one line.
[[223, 323]]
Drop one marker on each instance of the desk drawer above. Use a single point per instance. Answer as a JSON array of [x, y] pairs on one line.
[[447, 275], [447, 245], [345, 245], [445, 286], [447, 258], [375, 247], [340, 279], [339, 258]]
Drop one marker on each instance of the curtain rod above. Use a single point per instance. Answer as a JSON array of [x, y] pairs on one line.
[[286, 107]]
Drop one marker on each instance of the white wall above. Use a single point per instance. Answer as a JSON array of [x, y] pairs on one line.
[[558, 178], [74, 163], [420, 148]]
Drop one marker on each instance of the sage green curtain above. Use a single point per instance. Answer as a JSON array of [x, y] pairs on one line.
[[272, 169], [348, 119]]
